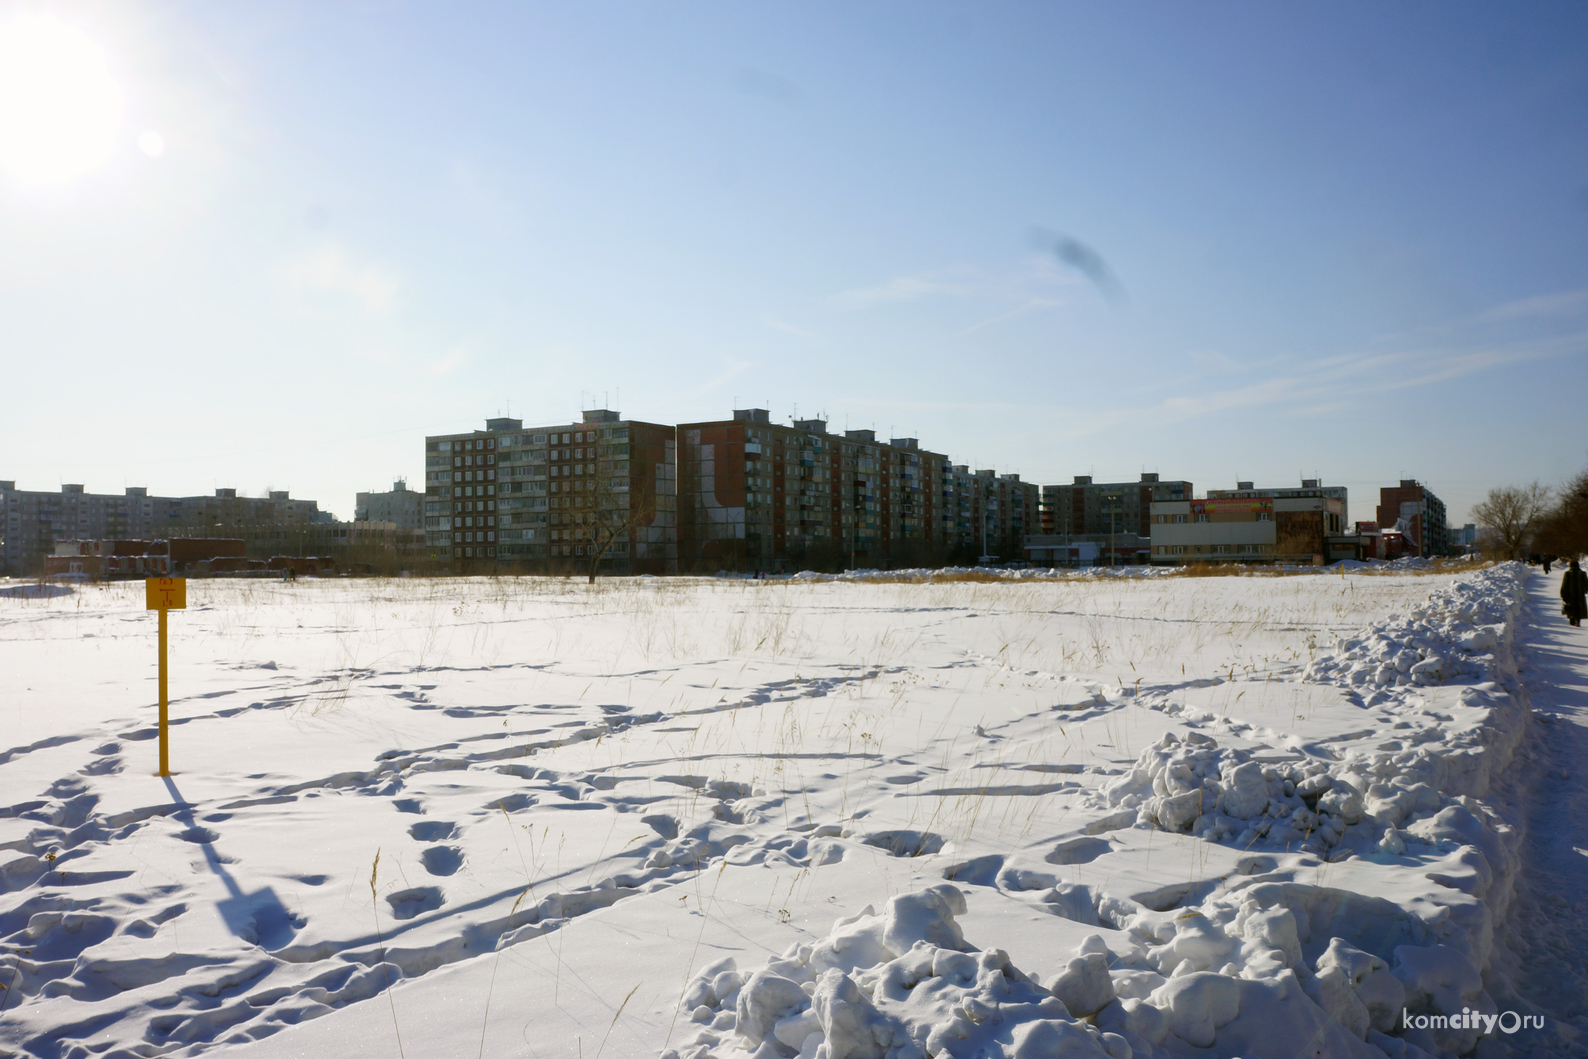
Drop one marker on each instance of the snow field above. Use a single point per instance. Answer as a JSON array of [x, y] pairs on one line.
[[627, 817]]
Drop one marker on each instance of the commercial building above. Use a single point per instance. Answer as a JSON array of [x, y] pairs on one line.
[[1092, 511], [32, 521], [754, 495], [1252, 525], [1416, 512], [986, 515], [554, 497], [403, 507], [1310, 487]]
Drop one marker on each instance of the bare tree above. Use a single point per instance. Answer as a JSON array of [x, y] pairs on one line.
[[1510, 516], [606, 515], [1564, 530]]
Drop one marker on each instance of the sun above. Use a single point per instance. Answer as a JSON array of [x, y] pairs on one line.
[[60, 108]]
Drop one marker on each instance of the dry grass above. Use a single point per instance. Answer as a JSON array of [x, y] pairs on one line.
[[1437, 567]]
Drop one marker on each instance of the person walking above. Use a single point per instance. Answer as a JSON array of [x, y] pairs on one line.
[[1573, 589], [1547, 560]]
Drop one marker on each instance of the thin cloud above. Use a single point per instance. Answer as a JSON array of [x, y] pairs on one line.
[[446, 365], [900, 289], [1033, 279], [330, 272], [1560, 304], [788, 328], [1033, 305], [1317, 387], [1519, 312]]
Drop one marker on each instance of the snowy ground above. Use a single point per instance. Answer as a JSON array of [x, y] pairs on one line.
[[1166, 817]]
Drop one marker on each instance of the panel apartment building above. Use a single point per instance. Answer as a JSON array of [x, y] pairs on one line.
[[987, 514], [31, 521], [402, 507], [540, 497], [1246, 524], [1088, 509], [754, 495]]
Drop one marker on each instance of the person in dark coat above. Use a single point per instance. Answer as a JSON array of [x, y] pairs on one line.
[[1547, 560], [1573, 590]]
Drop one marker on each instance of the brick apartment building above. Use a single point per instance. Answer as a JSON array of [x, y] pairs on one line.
[[32, 521], [1421, 516], [535, 497], [754, 495]]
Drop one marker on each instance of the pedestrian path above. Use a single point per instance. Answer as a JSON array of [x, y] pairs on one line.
[[1548, 924]]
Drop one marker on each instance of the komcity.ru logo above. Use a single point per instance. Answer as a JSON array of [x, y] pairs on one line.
[[1505, 1021]]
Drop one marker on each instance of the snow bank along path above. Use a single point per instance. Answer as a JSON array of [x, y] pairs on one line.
[[1325, 940], [1126, 817]]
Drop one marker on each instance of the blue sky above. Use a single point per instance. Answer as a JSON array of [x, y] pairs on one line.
[[1350, 240]]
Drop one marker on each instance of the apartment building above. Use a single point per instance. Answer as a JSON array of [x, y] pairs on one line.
[[403, 507], [1091, 511], [1257, 525], [1419, 514], [754, 495], [551, 497], [1109, 521], [987, 514], [31, 521]]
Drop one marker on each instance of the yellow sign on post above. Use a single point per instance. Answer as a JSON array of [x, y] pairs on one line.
[[163, 594]]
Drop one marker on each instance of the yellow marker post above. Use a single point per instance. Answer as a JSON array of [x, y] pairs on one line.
[[163, 594]]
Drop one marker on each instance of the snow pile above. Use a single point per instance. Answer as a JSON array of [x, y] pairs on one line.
[[1456, 636], [1368, 793], [1410, 801], [904, 985]]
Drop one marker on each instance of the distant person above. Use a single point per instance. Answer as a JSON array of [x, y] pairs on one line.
[[1573, 590], [1547, 560]]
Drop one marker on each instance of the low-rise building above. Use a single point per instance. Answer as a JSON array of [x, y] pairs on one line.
[[1088, 549], [1309, 487], [1268, 526]]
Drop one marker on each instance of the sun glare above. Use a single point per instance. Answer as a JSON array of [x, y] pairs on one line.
[[60, 108]]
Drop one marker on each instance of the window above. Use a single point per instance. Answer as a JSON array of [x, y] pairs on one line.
[[1179, 518]]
